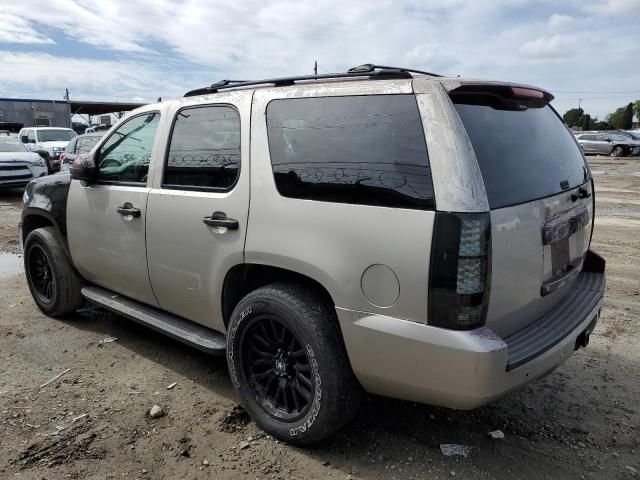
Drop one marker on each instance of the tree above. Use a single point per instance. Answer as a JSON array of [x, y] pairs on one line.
[[636, 109], [601, 125], [622, 118], [573, 116], [585, 122]]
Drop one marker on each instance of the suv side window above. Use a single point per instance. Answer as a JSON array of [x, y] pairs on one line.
[[71, 146], [367, 150], [86, 144], [204, 149], [31, 136], [125, 156]]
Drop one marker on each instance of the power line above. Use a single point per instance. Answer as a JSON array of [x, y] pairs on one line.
[[597, 92]]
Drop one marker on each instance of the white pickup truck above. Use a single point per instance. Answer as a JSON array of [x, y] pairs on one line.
[[51, 140]]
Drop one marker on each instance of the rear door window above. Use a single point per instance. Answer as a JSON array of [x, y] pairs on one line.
[[524, 152], [204, 149], [367, 150]]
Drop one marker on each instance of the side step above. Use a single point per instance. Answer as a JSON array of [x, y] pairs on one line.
[[178, 328]]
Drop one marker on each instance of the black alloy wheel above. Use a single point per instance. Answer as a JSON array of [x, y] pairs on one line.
[[41, 273], [277, 368]]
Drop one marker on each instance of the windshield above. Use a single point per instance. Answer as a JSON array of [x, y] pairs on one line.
[[56, 135], [11, 144], [618, 137], [524, 154]]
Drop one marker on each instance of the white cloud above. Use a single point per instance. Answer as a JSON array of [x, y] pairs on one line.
[[14, 29], [557, 21], [613, 7], [547, 47], [162, 47], [85, 78]]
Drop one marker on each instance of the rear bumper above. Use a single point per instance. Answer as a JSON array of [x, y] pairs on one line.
[[457, 369]]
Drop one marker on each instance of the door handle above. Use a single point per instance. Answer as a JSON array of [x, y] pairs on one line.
[[220, 219], [128, 209]]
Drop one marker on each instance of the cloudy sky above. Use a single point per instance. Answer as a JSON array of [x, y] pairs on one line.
[[142, 49]]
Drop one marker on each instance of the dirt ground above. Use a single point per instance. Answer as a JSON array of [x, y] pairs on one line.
[[582, 421]]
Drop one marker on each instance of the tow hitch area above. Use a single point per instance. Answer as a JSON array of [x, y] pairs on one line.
[[583, 339]]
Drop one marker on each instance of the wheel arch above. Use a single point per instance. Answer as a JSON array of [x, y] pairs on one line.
[[246, 277], [33, 218]]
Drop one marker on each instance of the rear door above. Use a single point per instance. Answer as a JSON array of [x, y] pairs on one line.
[[197, 211], [587, 143], [540, 195]]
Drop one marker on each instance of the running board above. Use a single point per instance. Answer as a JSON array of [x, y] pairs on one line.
[[178, 328]]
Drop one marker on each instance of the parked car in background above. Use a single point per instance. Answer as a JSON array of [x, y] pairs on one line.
[[51, 140], [18, 165], [97, 128], [629, 134], [608, 143], [78, 145]]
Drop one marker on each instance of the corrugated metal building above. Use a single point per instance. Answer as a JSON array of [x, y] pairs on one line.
[[35, 113]]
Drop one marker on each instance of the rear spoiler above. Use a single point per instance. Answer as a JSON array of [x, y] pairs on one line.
[[507, 91]]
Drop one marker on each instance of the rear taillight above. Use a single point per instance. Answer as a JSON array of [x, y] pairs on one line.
[[460, 270]]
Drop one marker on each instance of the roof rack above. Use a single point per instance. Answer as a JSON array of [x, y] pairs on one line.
[[366, 70]]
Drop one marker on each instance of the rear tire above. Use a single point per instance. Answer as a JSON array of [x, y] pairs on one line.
[[617, 152], [54, 284], [289, 366]]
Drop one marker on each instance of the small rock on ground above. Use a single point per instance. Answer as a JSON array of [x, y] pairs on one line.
[[156, 411]]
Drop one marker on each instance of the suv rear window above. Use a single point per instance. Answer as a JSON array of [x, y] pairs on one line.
[[367, 150], [524, 153]]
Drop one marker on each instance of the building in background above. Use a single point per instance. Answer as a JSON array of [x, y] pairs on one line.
[[28, 113], [35, 113]]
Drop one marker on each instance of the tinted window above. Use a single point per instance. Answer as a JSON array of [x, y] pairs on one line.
[[85, 144], [524, 154], [55, 135], [11, 144], [366, 150], [71, 146], [204, 149], [125, 156]]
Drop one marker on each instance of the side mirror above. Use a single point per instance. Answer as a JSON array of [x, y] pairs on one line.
[[608, 139], [84, 168], [24, 139]]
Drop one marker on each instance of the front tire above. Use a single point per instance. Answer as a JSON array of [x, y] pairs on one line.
[[617, 151], [54, 284], [289, 366]]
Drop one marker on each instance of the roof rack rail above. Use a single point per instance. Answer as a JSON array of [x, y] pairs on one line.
[[369, 67], [366, 70]]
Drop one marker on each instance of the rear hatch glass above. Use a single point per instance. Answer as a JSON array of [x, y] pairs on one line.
[[523, 154], [538, 188]]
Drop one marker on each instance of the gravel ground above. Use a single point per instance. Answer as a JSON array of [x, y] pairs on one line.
[[582, 421]]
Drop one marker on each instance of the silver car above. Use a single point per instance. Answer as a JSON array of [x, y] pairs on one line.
[[608, 143], [381, 229], [18, 165]]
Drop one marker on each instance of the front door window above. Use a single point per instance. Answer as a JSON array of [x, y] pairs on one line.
[[125, 156]]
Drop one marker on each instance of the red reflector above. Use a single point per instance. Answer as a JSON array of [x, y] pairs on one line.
[[526, 92]]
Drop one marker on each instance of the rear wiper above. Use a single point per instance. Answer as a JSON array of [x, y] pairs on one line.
[[582, 193]]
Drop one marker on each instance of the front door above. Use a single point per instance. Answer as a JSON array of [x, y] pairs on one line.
[[197, 211], [602, 145], [106, 220]]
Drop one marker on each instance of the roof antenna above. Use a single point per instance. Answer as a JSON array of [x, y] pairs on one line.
[[315, 67]]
